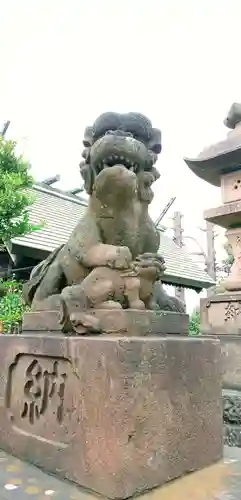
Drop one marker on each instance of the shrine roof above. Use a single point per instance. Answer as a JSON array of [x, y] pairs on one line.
[[60, 212]]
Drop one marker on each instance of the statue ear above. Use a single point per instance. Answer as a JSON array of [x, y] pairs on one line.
[[88, 137], [86, 154], [154, 143], [88, 176], [155, 174]]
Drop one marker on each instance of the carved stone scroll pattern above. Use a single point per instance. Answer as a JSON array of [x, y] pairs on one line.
[[232, 410], [232, 436], [232, 420]]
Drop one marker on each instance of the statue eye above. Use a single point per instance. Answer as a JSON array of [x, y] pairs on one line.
[[156, 148]]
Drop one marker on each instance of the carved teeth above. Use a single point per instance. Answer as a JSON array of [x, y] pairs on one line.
[[115, 159]]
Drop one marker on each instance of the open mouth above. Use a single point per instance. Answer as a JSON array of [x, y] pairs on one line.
[[112, 160], [111, 150]]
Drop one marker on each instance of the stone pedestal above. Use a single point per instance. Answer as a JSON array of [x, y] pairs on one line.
[[221, 314], [220, 164], [221, 317], [117, 415], [231, 382]]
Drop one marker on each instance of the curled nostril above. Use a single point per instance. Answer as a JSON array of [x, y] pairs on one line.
[[119, 132], [111, 132]]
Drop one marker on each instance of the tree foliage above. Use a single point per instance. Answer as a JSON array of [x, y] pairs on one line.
[[14, 198], [229, 259], [12, 305], [223, 268], [194, 323]]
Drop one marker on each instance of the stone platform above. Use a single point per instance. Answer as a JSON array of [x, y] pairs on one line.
[[129, 322], [117, 415], [222, 481]]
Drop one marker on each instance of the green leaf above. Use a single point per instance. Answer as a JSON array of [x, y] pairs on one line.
[[194, 323], [12, 306], [15, 198]]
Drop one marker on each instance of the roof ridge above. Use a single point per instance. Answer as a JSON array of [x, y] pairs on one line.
[[44, 188]]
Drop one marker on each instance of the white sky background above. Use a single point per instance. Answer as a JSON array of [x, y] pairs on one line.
[[177, 61]]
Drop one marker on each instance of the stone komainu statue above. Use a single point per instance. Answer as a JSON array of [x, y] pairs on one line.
[[111, 259]]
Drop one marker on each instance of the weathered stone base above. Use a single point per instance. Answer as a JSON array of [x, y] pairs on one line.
[[221, 317], [128, 322], [117, 415], [231, 356], [231, 382], [221, 314]]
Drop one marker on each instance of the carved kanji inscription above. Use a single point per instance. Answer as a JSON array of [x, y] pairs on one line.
[[232, 310], [40, 396], [41, 386]]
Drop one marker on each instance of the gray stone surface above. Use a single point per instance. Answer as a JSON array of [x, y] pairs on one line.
[[231, 353], [114, 414], [226, 216], [221, 316]]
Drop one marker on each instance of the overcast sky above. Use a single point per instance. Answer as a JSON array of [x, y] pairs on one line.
[[65, 61]]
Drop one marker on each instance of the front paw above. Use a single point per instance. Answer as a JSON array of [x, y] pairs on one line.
[[122, 259]]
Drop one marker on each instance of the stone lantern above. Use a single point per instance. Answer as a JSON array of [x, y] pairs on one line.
[[220, 165]]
